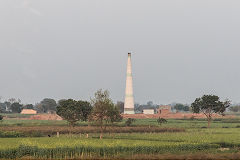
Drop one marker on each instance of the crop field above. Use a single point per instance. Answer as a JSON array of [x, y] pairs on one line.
[[120, 145], [177, 139]]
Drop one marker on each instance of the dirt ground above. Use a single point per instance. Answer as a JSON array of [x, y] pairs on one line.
[[137, 116], [172, 116], [45, 117]]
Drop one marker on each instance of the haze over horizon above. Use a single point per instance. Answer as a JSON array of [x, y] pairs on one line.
[[70, 49]]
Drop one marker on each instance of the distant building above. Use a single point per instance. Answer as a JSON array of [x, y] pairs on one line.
[[28, 111], [164, 110], [148, 111]]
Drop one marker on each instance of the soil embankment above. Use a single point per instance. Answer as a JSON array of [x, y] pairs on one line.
[[172, 116]]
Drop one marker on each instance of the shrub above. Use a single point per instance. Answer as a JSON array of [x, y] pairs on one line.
[[161, 121], [11, 134], [130, 121], [225, 127], [40, 131], [192, 118], [231, 121]]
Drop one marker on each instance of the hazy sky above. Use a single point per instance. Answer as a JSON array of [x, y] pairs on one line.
[[181, 49]]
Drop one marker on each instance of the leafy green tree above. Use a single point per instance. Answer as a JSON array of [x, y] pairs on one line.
[[130, 121], [46, 105], [161, 121], [104, 110], [16, 107], [181, 107], [85, 110], [74, 111], [208, 105]]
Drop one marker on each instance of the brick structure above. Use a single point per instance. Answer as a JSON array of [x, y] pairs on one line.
[[164, 110]]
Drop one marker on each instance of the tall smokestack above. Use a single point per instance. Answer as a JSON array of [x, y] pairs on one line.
[[129, 100]]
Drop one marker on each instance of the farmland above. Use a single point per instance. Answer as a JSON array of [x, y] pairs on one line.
[[145, 138], [210, 141]]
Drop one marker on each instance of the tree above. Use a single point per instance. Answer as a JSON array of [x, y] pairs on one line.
[[181, 107], [150, 103], [46, 105], [234, 108], [12, 100], [120, 106], [161, 121], [104, 111], [16, 107], [73, 111], [39, 108], [2, 107], [8, 105], [130, 121], [139, 108], [85, 109], [28, 106], [1, 118], [208, 105], [114, 115]]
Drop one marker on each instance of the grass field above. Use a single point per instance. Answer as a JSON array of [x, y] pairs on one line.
[[222, 141]]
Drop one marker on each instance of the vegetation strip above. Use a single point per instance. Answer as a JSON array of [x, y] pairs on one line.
[[77, 152], [43, 131]]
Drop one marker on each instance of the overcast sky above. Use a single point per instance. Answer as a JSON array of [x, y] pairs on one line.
[[181, 49]]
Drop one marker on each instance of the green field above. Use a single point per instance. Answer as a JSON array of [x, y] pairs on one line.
[[192, 141], [222, 140]]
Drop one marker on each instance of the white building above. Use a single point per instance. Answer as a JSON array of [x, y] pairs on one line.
[[148, 111]]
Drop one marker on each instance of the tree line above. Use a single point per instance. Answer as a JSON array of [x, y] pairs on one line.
[[103, 111], [15, 106]]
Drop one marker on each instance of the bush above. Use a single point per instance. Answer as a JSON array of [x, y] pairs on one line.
[[231, 121], [11, 134], [15, 134], [192, 118], [130, 121], [161, 121], [1, 117], [225, 127]]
